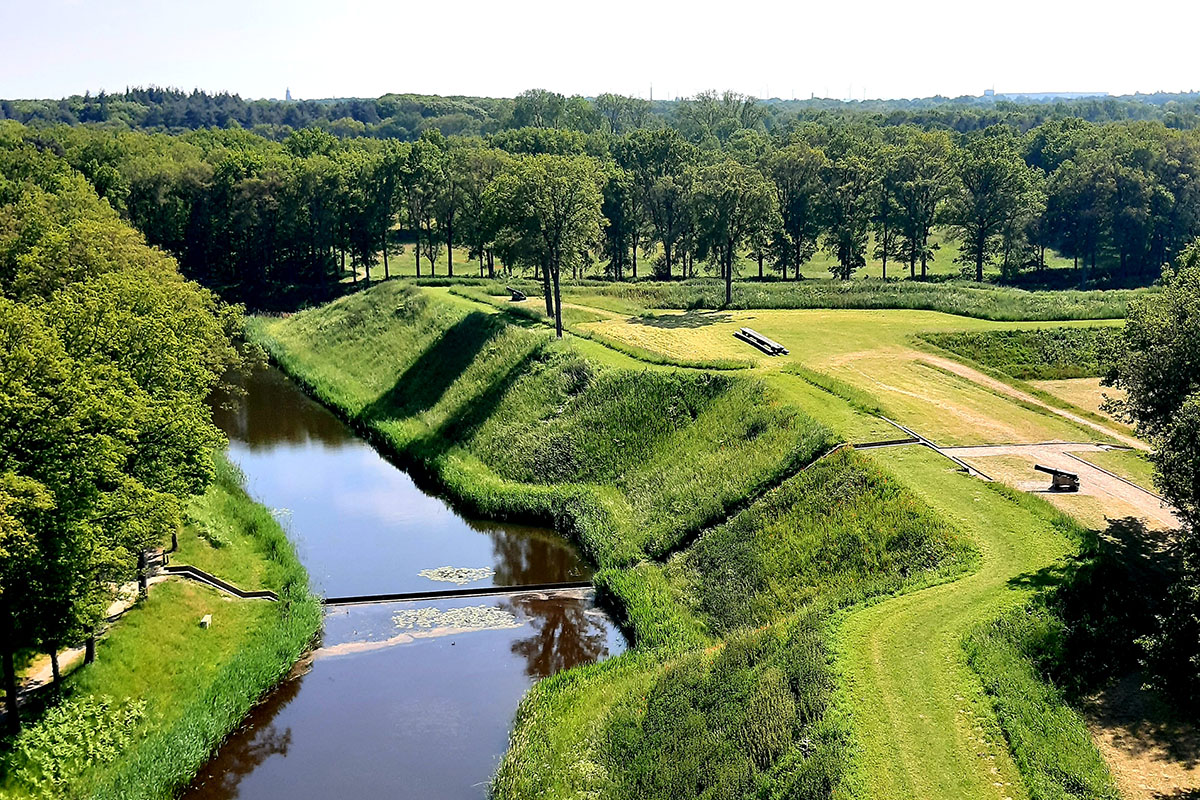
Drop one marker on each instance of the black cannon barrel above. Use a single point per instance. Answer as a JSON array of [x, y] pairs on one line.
[[1062, 473]]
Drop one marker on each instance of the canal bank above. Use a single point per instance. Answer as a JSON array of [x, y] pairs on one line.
[[411, 699]]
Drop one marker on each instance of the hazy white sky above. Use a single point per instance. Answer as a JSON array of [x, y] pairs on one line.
[[322, 48]]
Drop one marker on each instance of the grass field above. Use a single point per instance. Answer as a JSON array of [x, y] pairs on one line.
[[163, 692], [1129, 464], [871, 353], [798, 621]]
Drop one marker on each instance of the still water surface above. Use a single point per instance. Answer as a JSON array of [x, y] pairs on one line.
[[391, 708]]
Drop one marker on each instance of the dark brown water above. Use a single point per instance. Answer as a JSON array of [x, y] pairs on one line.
[[404, 700]]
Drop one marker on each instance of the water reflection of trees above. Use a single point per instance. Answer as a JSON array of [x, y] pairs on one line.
[[530, 555], [563, 634], [273, 410], [257, 740]]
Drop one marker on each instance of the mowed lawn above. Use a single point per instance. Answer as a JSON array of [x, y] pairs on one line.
[[923, 726], [872, 350]]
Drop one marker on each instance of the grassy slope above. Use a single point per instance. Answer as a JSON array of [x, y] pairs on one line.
[[1037, 354], [923, 722], [517, 425], [197, 684]]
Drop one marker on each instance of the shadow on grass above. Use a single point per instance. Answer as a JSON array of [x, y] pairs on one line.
[[425, 382], [688, 319]]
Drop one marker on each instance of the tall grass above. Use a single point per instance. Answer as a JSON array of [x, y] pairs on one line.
[[1039, 354], [1050, 741], [839, 532], [982, 301]]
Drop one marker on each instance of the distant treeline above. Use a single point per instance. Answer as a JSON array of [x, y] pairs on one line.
[[277, 224], [407, 116]]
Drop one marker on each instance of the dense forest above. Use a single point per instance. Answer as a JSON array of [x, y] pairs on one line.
[[718, 186], [407, 116]]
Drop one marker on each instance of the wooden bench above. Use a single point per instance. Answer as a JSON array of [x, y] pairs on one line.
[[768, 346], [517, 294], [1060, 480]]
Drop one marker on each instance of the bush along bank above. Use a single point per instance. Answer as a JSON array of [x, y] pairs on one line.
[[163, 693], [656, 474]]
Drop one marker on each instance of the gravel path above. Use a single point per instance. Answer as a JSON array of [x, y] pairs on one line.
[[1092, 480]]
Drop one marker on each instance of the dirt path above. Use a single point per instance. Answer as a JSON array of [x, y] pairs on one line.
[[1152, 757], [923, 726], [1092, 480], [1002, 388]]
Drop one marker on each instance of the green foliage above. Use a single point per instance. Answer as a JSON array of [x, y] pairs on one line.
[[70, 739], [190, 687], [839, 532], [1050, 741], [1038, 354], [106, 359]]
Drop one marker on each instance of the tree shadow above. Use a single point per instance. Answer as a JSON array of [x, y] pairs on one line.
[[686, 320], [255, 740], [426, 381]]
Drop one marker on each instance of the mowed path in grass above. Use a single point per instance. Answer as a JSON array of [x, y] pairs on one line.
[[923, 727]]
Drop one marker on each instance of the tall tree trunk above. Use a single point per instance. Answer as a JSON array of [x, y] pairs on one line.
[[557, 304], [449, 251], [56, 675], [912, 266], [89, 648], [885, 250], [760, 260], [491, 262], [367, 269], [728, 276], [667, 256], [635, 245], [546, 290], [417, 250], [481, 262], [386, 272]]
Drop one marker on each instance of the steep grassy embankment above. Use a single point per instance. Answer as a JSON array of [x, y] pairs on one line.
[[1038, 354], [683, 487], [163, 692]]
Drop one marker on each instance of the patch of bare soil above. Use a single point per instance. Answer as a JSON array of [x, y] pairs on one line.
[[1152, 756]]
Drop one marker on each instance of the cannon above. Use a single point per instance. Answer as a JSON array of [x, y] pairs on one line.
[[1060, 479]]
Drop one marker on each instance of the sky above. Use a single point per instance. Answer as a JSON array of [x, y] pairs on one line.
[[365, 48]]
